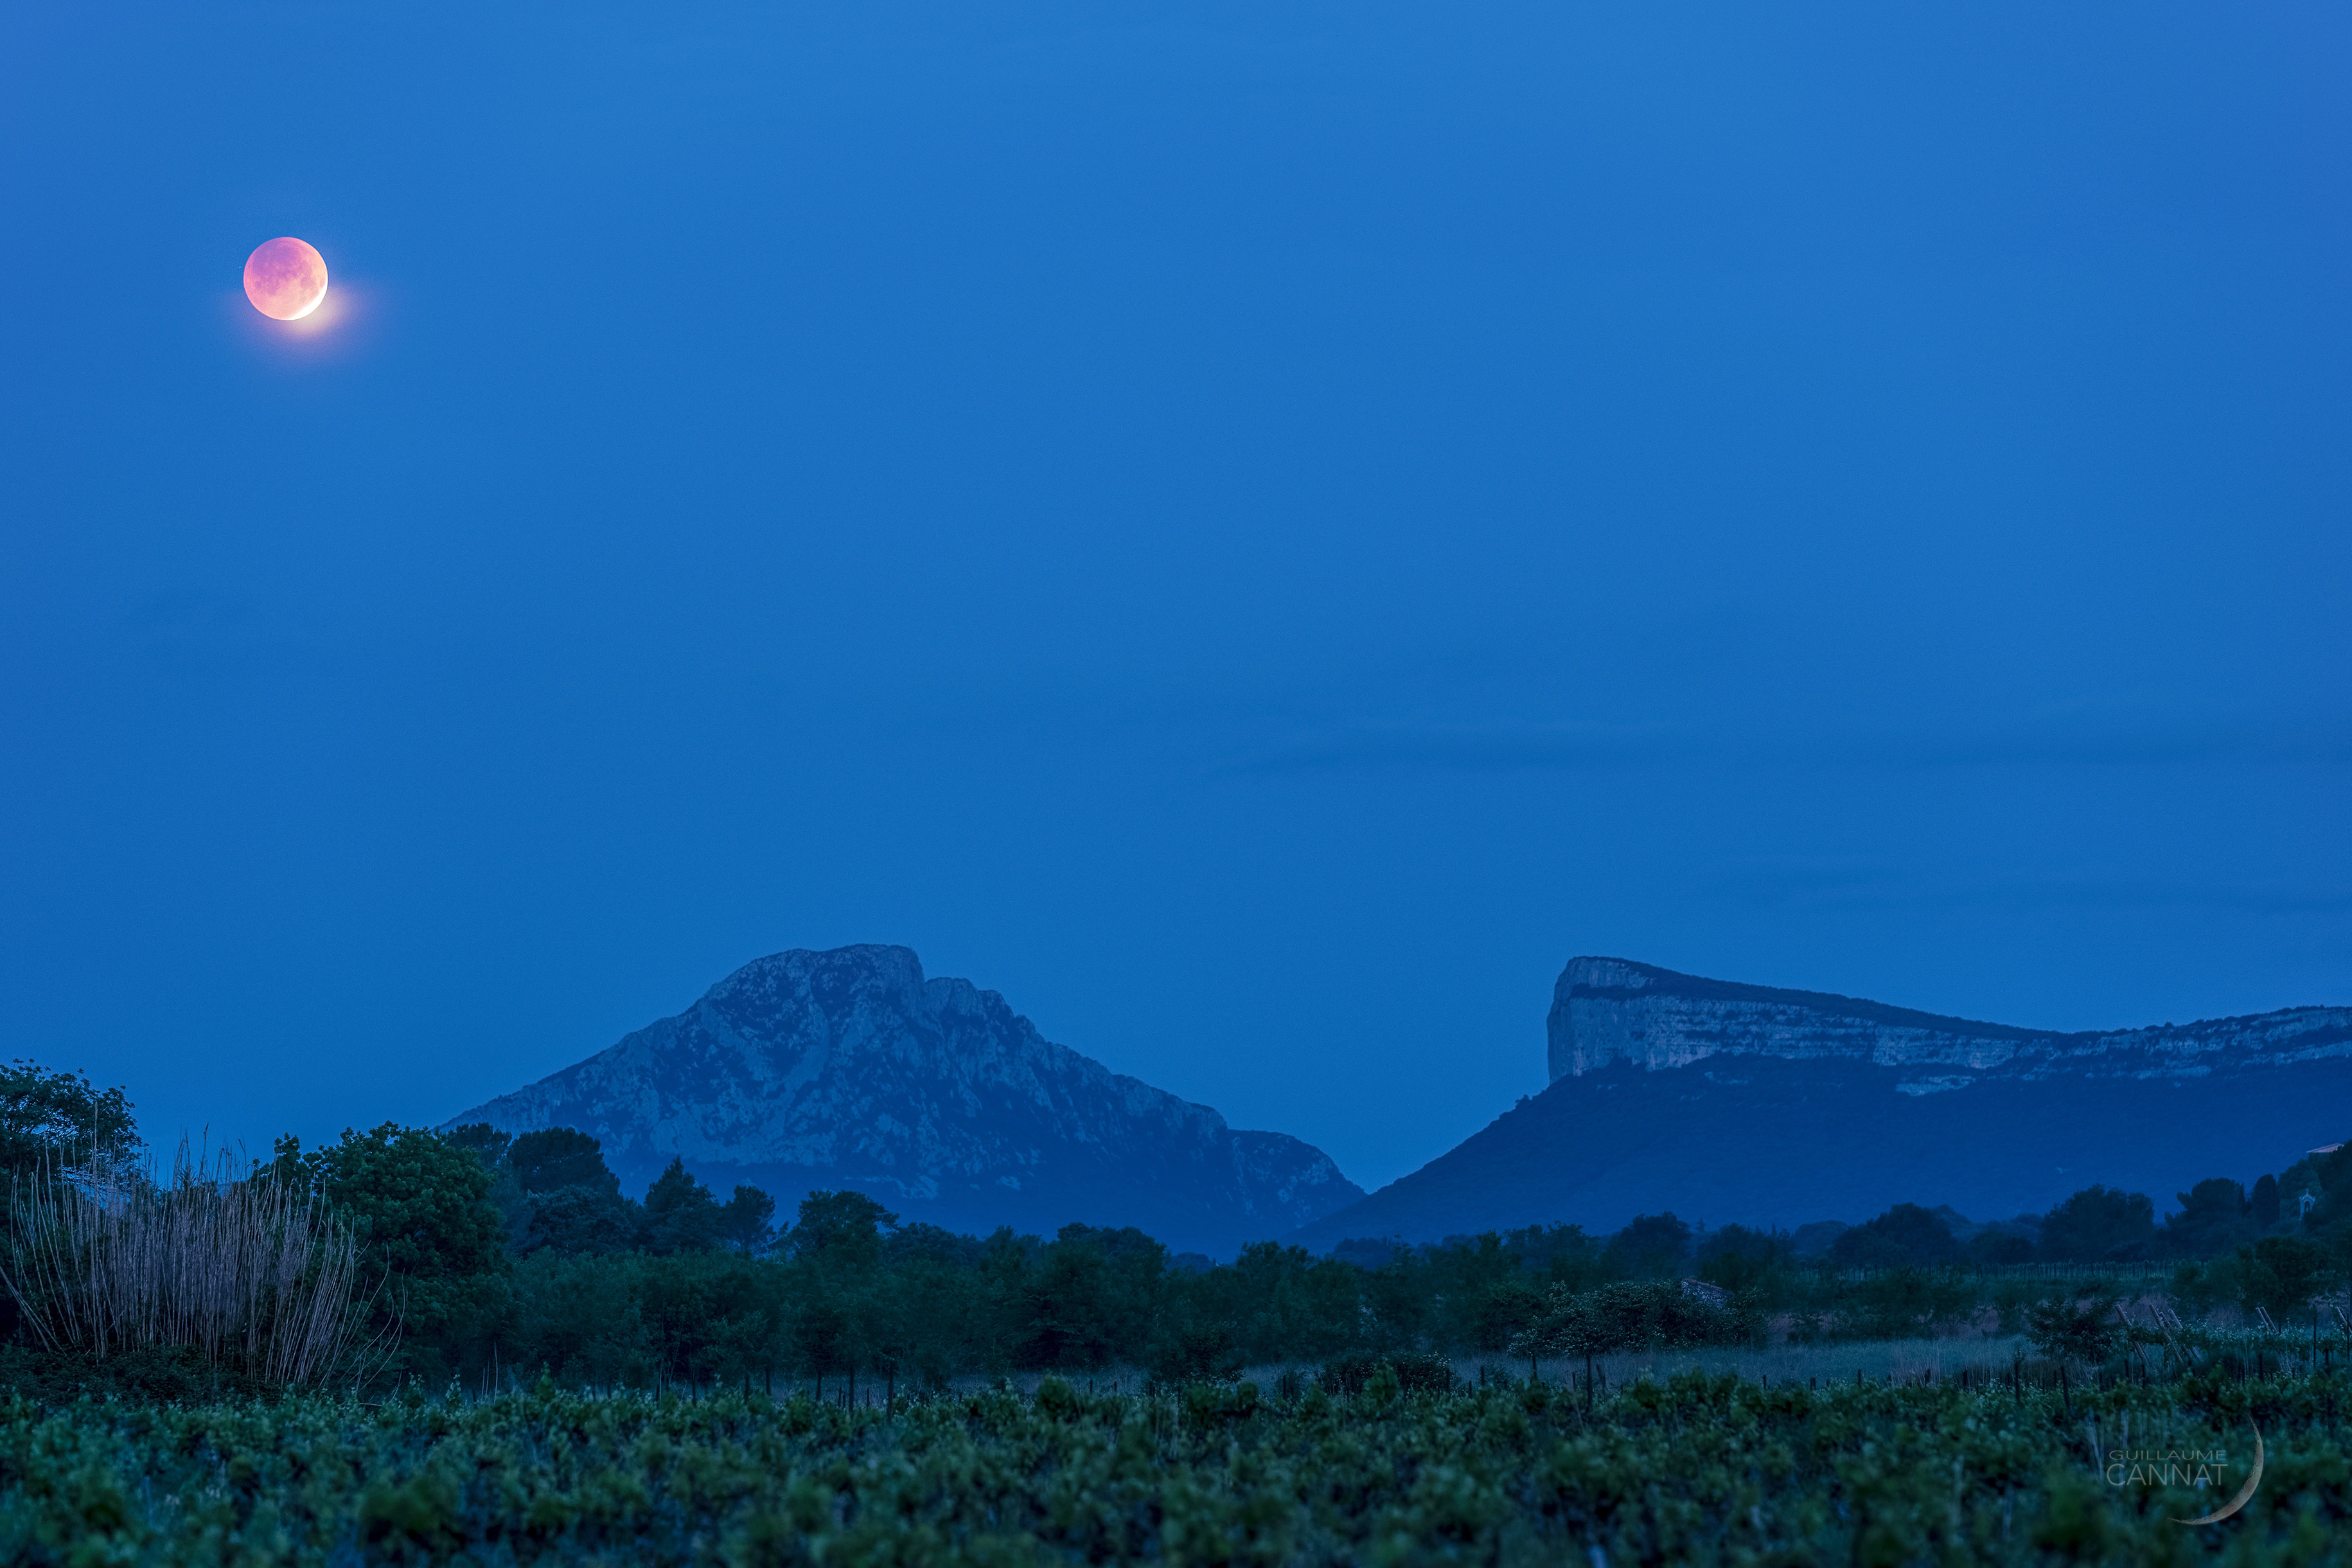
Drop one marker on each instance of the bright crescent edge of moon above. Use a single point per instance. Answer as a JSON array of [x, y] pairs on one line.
[[2239, 1501]]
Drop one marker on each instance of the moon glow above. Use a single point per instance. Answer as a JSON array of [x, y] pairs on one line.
[[285, 279]]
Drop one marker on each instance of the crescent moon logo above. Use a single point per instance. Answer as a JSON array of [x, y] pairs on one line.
[[2245, 1493]]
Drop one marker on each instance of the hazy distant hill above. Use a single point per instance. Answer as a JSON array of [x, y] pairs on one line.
[[1730, 1102], [848, 1069]]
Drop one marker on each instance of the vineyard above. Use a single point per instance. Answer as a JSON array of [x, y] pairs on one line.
[[397, 1350], [1695, 1468]]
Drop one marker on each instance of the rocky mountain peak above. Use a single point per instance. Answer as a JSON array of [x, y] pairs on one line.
[[850, 1069]]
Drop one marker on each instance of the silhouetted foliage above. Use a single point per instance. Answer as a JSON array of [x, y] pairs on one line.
[[576, 1219], [2215, 1217], [60, 1120], [420, 1207], [1651, 1246], [2280, 1274], [1407, 1373], [503, 1252], [2074, 1328], [681, 1215], [842, 1229], [1999, 1249], [2100, 1224], [2331, 1174], [1739, 1259], [1905, 1236], [745, 1221], [2264, 1203], [484, 1142], [556, 1157]]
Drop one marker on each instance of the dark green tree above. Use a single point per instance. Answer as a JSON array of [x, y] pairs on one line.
[[836, 1247], [2100, 1225], [582, 1318], [1500, 1312], [558, 1194], [1999, 1249], [2262, 1203], [420, 1207], [1739, 1259], [1068, 1315], [681, 1216], [1906, 1237], [936, 1325], [844, 1228], [1282, 1304], [1652, 1246], [1571, 1324], [556, 1157], [591, 1220], [60, 1119], [746, 1220], [2074, 1328], [710, 1317], [484, 1142], [1562, 1254], [1195, 1346], [489, 1145], [1399, 1305], [1484, 1294], [2214, 1219], [2332, 1173], [2281, 1274]]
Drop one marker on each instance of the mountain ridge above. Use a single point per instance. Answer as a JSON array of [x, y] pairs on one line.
[[849, 1067], [1684, 1019], [1726, 1102]]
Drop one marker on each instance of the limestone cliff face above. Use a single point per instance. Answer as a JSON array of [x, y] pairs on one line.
[[849, 1069], [1606, 1010], [1719, 1102]]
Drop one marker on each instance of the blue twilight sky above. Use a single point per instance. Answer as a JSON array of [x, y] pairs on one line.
[[1256, 531]]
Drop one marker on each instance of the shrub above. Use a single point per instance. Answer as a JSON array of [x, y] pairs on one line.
[[2074, 1328], [244, 1272], [1413, 1372]]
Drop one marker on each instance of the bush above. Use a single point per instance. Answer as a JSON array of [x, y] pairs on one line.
[[1414, 1373], [1659, 1316], [1907, 1303], [244, 1272], [1195, 1353], [159, 1375], [2075, 1328]]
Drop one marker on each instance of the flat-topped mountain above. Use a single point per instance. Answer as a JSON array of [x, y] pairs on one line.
[[1613, 1010], [848, 1069], [1728, 1103]]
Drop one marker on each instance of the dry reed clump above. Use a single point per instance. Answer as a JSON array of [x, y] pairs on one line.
[[247, 1270]]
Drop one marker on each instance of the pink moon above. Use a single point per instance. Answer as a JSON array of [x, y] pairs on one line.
[[285, 279]]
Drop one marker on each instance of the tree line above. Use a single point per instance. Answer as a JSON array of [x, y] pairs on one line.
[[479, 1254]]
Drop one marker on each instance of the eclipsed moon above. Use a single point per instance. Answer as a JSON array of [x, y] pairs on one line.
[[285, 279]]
